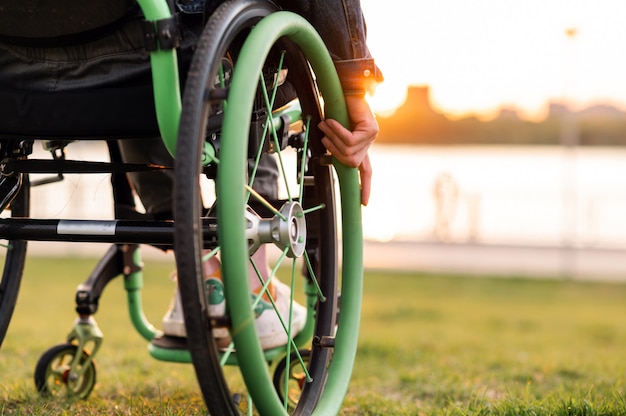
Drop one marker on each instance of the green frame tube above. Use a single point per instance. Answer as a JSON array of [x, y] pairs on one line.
[[166, 80], [168, 106], [133, 283]]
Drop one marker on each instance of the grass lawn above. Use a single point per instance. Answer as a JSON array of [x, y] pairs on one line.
[[429, 345]]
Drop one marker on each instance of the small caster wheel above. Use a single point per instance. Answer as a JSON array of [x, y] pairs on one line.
[[54, 378], [296, 377]]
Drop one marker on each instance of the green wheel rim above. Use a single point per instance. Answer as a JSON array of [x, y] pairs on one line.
[[231, 206]]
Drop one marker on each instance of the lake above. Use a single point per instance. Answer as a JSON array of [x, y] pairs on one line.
[[499, 195]]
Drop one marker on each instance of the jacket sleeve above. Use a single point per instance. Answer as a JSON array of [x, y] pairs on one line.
[[341, 25]]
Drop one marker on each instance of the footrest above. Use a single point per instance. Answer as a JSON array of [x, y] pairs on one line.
[[170, 348], [170, 342]]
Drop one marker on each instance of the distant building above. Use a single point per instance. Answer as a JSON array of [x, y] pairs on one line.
[[417, 122]]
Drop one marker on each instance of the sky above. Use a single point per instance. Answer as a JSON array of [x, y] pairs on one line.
[[478, 56]]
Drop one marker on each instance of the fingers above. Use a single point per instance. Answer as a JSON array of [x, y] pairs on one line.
[[360, 159], [348, 147], [365, 169], [351, 147]]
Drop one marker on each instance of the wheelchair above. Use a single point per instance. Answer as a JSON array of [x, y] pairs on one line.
[[226, 117]]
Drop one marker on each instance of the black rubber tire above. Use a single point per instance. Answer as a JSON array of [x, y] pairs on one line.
[[297, 383], [55, 363], [226, 24], [14, 259]]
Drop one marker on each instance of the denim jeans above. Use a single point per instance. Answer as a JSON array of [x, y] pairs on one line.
[[341, 25]]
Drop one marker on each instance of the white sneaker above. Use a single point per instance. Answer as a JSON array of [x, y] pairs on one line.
[[174, 322], [269, 328]]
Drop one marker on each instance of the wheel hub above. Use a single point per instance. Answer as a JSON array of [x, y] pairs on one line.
[[287, 229]]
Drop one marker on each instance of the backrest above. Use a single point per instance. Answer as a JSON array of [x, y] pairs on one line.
[[41, 22]]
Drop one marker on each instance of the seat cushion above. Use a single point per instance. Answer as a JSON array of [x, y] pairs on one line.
[[112, 112]]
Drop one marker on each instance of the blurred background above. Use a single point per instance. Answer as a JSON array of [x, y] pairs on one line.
[[502, 137], [501, 151]]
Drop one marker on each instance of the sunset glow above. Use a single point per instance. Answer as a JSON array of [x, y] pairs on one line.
[[478, 56]]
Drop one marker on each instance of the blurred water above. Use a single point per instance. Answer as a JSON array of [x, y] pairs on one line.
[[487, 194], [499, 195]]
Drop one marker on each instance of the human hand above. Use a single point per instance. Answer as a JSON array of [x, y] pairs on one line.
[[351, 147]]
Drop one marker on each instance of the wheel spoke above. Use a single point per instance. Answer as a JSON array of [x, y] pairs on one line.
[[269, 121], [313, 209], [268, 125], [210, 157], [270, 103], [314, 277], [227, 353], [265, 291], [265, 283], [265, 202], [206, 257]]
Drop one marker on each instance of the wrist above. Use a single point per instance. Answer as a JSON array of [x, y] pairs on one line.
[[358, 76]]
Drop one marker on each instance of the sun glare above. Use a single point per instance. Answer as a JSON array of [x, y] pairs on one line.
[[479, 57], [388, 97]]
